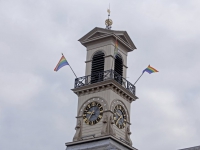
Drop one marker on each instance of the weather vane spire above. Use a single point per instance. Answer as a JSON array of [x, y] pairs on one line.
[[108, 21]]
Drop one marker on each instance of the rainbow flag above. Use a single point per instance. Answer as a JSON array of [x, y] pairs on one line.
[[61, 63], [116, 49], [150, 70]]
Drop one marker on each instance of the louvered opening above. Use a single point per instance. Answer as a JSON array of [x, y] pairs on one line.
[[118, 68], [97, 67]]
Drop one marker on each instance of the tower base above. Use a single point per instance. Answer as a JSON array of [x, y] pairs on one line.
[[101, 143]]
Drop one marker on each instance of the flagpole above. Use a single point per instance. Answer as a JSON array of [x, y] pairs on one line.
[[71, 67], [138, 78]]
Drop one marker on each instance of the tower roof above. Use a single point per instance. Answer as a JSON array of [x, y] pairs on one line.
[[100, 33]]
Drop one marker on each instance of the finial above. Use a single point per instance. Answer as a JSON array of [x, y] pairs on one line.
[[108, 10], [108, 21]]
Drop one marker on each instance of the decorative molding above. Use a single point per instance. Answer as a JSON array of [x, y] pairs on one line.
[[122, 37], [109, 111], [111, 128], [71, 144], [192, 148], [127, 135], [88, 61], [78, 129], [106, 85], [109, 56], [104, 130], [96, 47], [107, 128], [78, 116], [125, 66]]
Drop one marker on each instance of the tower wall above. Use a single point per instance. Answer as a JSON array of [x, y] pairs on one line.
[[107, 98], [104, 98], [107, 46]]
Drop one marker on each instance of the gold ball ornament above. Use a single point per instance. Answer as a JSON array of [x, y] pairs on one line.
[[108, 22]]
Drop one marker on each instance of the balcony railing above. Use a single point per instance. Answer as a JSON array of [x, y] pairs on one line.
[[103, 76]]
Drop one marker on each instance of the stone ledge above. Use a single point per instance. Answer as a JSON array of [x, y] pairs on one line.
[[192, 148], [104, 85], [100, 143]]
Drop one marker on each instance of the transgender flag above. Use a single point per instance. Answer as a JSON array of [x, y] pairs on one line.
[[61, 63]]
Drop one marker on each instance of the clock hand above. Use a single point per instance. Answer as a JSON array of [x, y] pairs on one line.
[[117, 112], [118, 119], [89, 112], [91, 115]]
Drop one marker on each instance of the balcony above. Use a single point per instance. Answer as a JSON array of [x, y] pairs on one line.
[[103, 76]]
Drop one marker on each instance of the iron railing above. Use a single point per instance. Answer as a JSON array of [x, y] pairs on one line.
[[102, 76]]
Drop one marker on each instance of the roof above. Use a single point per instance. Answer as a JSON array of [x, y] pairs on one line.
[[100, 33], [192, 148]]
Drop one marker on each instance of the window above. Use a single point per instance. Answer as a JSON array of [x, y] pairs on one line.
[[118, 69], [97, 67]]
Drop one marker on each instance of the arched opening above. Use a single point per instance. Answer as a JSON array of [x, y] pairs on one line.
[[97, 67], [118, 68]]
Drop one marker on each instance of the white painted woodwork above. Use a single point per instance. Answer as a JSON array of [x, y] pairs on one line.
[[104, 42], [108, 48]]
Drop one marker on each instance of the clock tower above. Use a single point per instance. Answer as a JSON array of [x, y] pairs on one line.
[[104, 94]]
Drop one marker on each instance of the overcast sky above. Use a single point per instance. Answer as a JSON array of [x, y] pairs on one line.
[[37, 107]]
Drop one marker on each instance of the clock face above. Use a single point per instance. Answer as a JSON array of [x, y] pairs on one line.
[[93, 113], [120, 116]]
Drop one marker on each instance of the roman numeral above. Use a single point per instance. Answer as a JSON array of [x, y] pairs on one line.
[[93, 103]]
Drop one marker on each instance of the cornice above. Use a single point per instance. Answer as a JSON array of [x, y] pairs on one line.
[[88, 61], [100, 138], [106, 85], [108, 33], [105, 36]]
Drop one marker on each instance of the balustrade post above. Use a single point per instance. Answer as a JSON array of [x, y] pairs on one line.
[[86, 80], [134, 89], [128, 84], [75, 83], [111, 74], [101, 76]]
